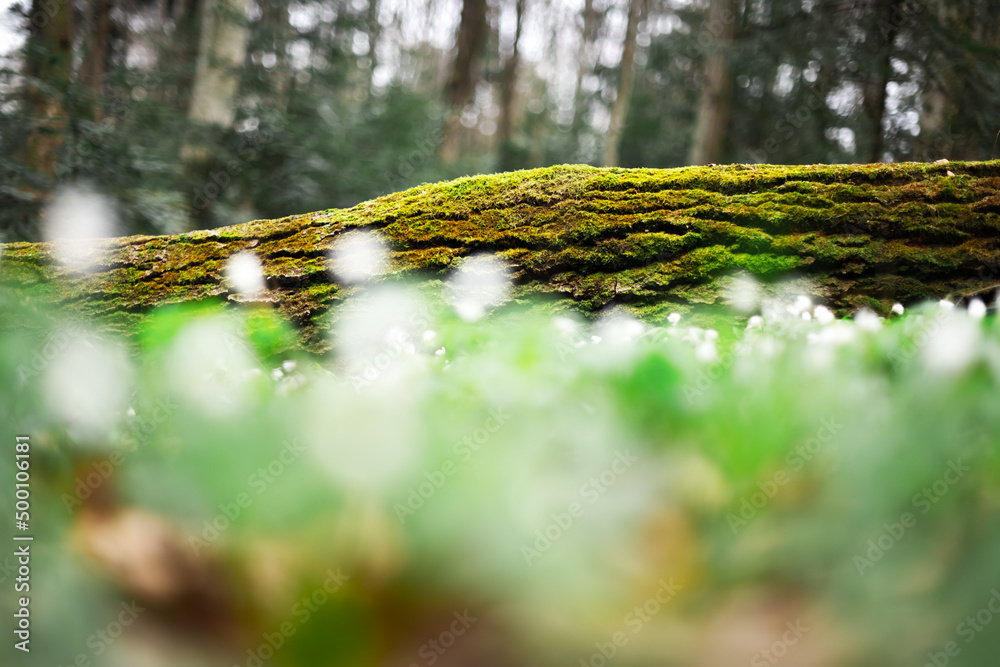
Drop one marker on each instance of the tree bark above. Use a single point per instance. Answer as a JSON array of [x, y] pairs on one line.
[[221, 55], [626, 82], [716, 96], [505, 149], [374, 29], [652, 241], [274, 21], [48, 69], [586, 59], [95, 62], [462, 83], [182, 49], [222, 52], [875, 89]]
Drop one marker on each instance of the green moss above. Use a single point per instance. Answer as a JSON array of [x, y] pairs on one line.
[[590, 237], [320, 292]]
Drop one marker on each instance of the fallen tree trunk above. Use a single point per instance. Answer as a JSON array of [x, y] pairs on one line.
[[653, 241]]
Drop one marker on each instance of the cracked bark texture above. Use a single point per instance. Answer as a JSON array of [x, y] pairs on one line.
[[652, 241]]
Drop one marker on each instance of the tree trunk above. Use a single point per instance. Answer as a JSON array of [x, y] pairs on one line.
[[626, 82], [716, 95], [374, 29], [274, 21], [95, 62], [586, 59], [652, 241], [48, 67], [507, 155], [182, 50], [462, 84], [221, 55], [873, 104]]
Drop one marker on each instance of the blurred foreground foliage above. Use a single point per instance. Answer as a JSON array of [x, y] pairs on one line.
[[524, 491]]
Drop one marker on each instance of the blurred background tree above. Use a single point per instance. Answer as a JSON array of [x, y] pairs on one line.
[[200, 113]]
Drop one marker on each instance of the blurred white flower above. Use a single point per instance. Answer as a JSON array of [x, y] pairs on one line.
[[802, 303], [619, 327], [86, 385], [744, 294], [481, 282], [837, 333], [358, 256], [823, 315], [866, 320], [674, 318], [953, 346], [565, 325], [380, 327], [977, 309], [946, 304], [208, 367], [706, 352], [245, 274], [898, 309], [755, 322], [73, 220]]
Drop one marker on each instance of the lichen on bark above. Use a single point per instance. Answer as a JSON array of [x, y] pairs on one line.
[[649, 240]]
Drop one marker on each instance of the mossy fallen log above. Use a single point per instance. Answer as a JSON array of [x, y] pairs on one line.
[[650, 240]]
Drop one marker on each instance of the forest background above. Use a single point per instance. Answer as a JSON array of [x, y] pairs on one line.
[[191, 114]]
